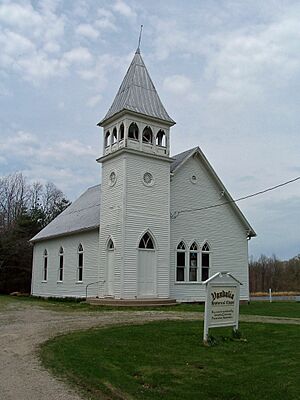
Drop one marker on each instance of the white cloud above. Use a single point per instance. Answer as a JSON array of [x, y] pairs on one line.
[[79, 55], [88, 31], [93, 101], [124, 9], [177, 84]]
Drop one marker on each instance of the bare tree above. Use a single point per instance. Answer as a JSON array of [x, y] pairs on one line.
[[14, 196]]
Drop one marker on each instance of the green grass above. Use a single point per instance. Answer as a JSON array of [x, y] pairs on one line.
[[276, 309], [166, 360]]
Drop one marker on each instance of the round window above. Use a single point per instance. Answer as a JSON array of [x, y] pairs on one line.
[[148, 179], [112, 178]]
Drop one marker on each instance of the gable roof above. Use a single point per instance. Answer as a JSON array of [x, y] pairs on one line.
[[82, 215], [181, 158], [137, 93]]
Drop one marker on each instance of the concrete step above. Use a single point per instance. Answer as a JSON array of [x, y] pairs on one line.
[[149, 302]]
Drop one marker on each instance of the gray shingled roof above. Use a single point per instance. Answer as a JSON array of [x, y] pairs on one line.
[[83, 214], [137, 93], [180, 157]]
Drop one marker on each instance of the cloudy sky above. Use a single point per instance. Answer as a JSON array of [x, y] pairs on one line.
[[227, 71]]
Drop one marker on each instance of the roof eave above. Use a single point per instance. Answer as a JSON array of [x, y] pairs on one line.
[[105, 121], [91, 228]]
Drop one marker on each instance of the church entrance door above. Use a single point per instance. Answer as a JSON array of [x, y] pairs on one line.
[[146, 273]]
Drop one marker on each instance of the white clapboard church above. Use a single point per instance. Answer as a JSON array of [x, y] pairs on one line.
[[135, 236]]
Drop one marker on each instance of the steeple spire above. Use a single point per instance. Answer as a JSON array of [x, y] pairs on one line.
[[137, 93]]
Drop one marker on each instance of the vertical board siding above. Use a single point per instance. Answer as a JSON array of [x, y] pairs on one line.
[[69, 287], [220, 226]]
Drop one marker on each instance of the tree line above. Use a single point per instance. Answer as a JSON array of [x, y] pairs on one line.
[[270, 272], [24, 210]]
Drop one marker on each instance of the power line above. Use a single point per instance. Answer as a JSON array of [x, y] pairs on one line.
[[176, 213]]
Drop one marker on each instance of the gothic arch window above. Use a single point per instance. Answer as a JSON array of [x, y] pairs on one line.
[[114, 136], [146, 242], [61, 264], [45, 266], [107, 139], [205, 261], [133, 131], [180, 262], [147, 135], [193, 263], [161, 138], [80, 263], [110, 245], [121, 131]]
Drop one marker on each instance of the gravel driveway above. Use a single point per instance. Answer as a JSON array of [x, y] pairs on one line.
[[24, 327]]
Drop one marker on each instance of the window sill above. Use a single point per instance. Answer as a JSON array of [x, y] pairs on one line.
[[44, 281], [59, 281], [79, 282]]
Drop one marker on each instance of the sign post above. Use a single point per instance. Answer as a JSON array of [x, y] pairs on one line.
[[222, 302]]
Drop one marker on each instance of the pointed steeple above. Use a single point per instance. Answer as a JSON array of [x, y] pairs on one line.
[[137, 93]]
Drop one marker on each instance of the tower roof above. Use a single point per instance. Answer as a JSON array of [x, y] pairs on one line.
[[137, 93]]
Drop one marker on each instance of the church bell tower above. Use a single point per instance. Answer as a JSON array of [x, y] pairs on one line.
[[135, 191]]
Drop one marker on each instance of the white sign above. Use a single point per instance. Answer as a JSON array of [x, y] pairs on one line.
[[222, 302]]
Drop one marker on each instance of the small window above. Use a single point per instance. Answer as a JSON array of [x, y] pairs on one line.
[[161, 138], [193, 263], [114, 136], [147, 135], [45, 268], [61, 264], [146, 242], [133, 131], [205, 262], [107, 139], [180, 262], [110, 245], [80, 263], [121, 132]]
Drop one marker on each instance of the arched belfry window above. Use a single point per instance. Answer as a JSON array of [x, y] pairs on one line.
[[146, 242], [45, 266], [107, 139], [193, 262], [80, 263], [180, 262], [121, 131], [205, 261], [114, 136], [147, 135], [161, 138], [110, 245], [61, 264], [133, 131]]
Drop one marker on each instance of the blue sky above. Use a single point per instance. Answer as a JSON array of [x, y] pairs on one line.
[[227, 71]]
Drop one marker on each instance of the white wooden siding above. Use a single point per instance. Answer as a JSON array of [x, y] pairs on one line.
[[220, 226], [111, 222], [69, 287]]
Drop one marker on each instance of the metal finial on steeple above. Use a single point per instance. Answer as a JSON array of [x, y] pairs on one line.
[[140, 38]]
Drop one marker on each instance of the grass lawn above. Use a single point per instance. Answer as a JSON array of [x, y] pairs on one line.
[[276, 309], [166, 360]]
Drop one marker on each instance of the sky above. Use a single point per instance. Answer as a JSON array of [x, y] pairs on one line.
[[228, 72]]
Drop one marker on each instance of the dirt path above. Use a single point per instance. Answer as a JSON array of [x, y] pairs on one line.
[[24, 327]]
